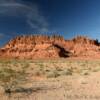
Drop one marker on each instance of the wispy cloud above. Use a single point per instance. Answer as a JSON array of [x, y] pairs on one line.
[[1, 35], [32, 14]]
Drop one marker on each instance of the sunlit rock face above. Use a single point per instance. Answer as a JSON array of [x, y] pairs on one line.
[[42, 46]]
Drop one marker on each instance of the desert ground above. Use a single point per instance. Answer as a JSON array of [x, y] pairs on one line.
[[55, 79]]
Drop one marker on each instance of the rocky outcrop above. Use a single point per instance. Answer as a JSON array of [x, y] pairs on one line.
[[41, 46], [82, 46], [32, 47]]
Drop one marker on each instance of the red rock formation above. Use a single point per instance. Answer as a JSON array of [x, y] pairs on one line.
[[83, 47], [37, 46], [41, 46]]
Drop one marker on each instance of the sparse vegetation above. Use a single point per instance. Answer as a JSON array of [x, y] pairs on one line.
[[53, 74], [10, 78], [14, 74]]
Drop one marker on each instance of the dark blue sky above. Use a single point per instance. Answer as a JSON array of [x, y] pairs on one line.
[[66, 17]]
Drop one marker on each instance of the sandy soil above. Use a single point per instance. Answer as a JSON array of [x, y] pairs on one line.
[[71, 87]]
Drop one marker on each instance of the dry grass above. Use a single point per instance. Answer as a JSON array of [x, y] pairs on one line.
[[15, 73]]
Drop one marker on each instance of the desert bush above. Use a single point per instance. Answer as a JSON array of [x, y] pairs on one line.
[[67, 72], [53, 74], [86, 73]]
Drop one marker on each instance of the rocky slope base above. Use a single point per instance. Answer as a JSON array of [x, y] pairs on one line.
[[42, 46]]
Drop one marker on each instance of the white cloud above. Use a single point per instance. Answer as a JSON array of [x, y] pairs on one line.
[[32, 13], [1, 35]]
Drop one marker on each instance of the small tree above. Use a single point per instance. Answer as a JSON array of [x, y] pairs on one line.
[[97, 42]]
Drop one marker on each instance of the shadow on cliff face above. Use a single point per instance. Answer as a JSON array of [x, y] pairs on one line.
[[62, 53]]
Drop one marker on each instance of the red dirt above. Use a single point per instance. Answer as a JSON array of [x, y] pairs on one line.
[[41, 46]]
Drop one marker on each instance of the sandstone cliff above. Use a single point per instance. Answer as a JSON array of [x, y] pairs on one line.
[[41, 46]]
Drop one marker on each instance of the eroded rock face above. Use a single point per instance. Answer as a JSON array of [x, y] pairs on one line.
[[32, 47], [83, 47], [41, 46]]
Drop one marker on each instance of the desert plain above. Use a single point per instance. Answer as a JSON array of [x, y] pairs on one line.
[[57, 79]]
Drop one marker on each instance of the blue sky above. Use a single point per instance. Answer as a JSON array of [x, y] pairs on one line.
[[66, 17]]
